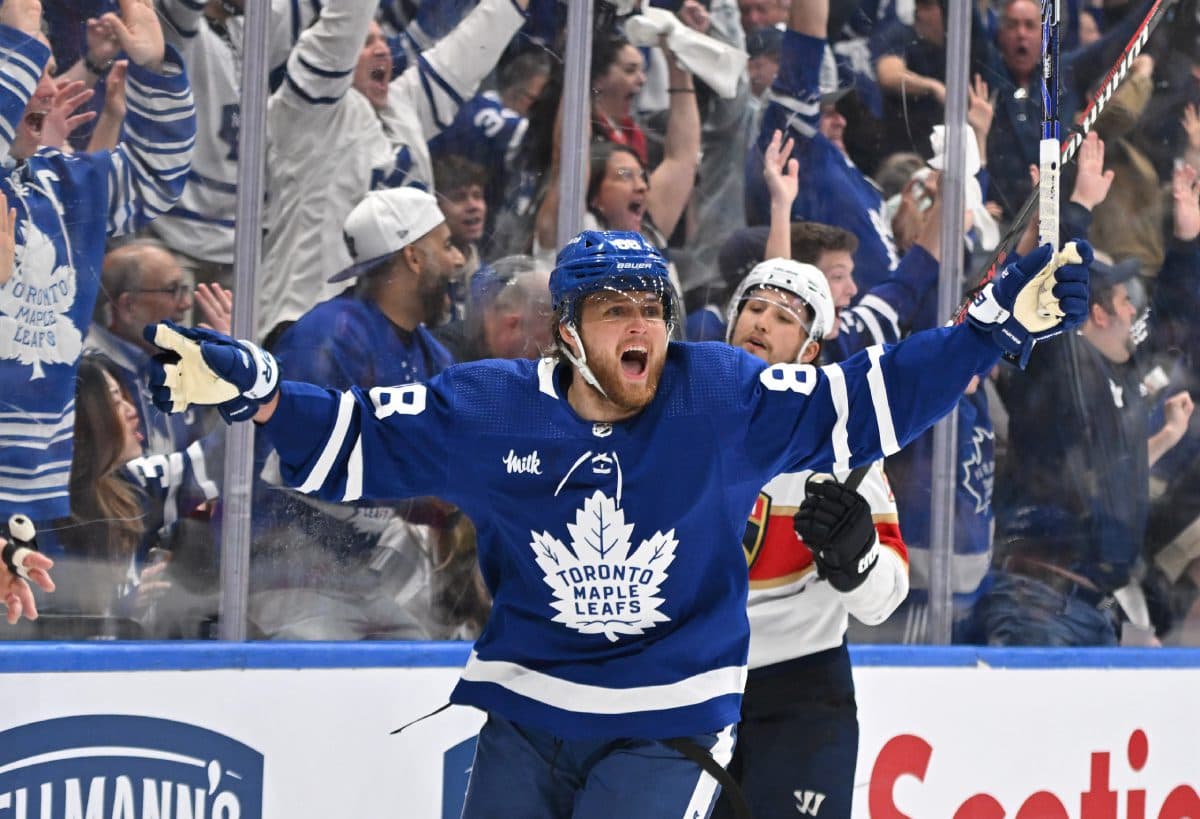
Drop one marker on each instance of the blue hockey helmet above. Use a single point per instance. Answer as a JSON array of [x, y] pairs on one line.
[[608, 260]]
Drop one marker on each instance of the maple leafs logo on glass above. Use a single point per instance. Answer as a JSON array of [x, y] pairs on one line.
[[601, 584], [34, 326]]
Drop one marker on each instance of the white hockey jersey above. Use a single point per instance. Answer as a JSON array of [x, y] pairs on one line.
[[201, 225], [329, 146], [794, 613]]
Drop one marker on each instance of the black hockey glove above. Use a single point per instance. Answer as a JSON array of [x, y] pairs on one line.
[[835, 522]]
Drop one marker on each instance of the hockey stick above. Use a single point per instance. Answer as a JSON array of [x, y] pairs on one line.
[[1087, 120], [1050, 148]]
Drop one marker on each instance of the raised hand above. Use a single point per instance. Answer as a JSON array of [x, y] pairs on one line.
[[1191, 125], [103, 45], [781, 172], [980, 111], [216, 305], [1092, 182], [139, 32], [1034, 298], [61, 120], [1185, 193], [23, 15]]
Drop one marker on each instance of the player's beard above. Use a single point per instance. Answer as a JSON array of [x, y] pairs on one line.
[[626, 394]]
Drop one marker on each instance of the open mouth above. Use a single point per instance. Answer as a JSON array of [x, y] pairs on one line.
[[379, 74], [35, 120], [633, 362]]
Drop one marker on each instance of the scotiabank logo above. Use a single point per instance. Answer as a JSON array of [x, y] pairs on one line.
[[122, 767], [909, 755]]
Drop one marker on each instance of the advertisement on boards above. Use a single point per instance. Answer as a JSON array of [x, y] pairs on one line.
[[960, 743]]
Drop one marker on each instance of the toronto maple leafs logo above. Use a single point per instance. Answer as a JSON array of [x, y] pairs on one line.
[[601, 584], [979, 468], [35, 327]]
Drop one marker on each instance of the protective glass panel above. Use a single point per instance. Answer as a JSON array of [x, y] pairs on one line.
[[411, 219]]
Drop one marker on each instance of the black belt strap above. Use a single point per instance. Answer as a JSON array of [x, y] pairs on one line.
[[710, 766]]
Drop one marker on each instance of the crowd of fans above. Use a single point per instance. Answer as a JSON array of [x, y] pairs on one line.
[[412, 204]]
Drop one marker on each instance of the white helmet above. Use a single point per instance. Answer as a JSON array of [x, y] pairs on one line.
[[804, 281]]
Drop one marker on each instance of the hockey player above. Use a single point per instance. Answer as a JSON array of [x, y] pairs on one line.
[[340, 108], [798, 738], [66, 207], [609, 487]]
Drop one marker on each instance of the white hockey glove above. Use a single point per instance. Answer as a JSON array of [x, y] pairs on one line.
[[1034, 298], [208, 368]]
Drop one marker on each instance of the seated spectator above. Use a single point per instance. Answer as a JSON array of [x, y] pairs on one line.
[[101, 571], [144, 283], [340, 109], [329, 572], [508, 314]]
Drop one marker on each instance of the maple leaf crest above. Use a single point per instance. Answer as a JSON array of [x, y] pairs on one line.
[[35, 327], [601, 584]]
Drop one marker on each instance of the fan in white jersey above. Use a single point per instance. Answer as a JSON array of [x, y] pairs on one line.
[[341, 126], [799, 685]]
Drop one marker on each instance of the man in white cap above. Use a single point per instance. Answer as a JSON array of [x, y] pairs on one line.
[[372, 565]]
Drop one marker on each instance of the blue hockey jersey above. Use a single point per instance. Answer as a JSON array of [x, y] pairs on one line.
[[67, 206], [832, 188], [613, 551]]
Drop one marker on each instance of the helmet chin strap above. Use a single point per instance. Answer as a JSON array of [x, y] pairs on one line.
[[580, 361], [804, 349]]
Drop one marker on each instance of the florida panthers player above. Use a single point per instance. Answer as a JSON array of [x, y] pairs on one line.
[[798, 738], [609, 487]]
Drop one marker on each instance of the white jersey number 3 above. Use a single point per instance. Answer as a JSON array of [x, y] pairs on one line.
[[801, 378]]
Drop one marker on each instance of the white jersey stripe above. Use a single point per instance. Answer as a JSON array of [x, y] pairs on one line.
[[354, 473], [883, 410], [329, 455], [596, 699], [841, 405], [200, 471]]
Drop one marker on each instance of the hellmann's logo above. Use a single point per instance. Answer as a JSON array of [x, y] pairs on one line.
[[126, 767], [530, 464]]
